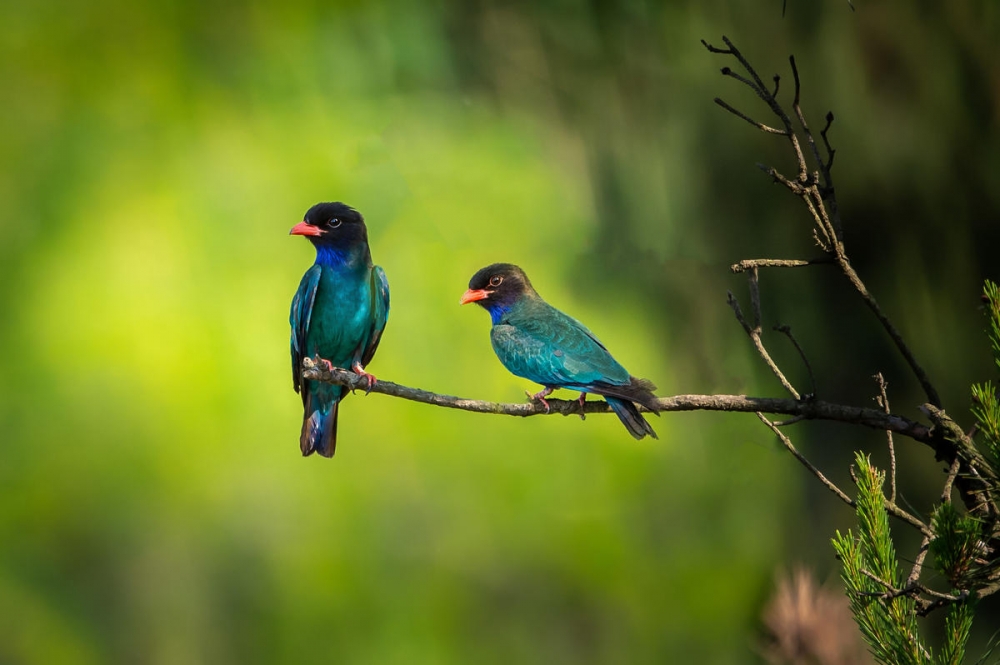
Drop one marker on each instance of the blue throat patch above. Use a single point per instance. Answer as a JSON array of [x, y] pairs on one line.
[[497, 310], [333, 257]]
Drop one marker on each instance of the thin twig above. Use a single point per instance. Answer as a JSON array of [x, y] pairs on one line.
[[806, 463], [753, 283], [891, 590], [746, 65], [894, 509], [883, 401], [759, 91], [897, 512], [787, 331], [962, 594], [911, 360], [754, 334], [949, 482], [913, 589], [790, 421], [826, 141], [747, 264], [716, 49], [793, 187], [759, 125], [926, 608], [796, 106], [918, 564]]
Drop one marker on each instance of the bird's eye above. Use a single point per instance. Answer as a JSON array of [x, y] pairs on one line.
[[495, 280], [335, 222]]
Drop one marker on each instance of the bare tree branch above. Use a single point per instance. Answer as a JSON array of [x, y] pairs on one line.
[[811, 409], [814, 194], [973, 475]]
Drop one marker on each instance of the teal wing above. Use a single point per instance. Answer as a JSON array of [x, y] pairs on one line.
[[553, 349], [380, 313], [299, 318]]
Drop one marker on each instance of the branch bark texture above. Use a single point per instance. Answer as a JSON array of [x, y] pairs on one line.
[[807, 409]]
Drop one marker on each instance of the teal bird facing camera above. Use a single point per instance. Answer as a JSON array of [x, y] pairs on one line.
[[338, 313]]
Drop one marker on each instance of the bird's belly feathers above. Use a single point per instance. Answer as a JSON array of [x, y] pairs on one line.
[[341, 319]]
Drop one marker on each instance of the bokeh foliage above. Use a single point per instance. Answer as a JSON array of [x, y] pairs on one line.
[[152, 158]]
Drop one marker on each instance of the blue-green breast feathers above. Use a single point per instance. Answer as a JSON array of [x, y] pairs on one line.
[[338, 314]]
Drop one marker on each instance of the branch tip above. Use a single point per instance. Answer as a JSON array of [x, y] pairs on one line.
[[795, 76]]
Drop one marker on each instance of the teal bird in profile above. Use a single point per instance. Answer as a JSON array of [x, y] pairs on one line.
[[536, 341], [338, 313]]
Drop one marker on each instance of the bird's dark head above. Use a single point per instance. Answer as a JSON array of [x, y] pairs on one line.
[[335, 225], [497, 287]]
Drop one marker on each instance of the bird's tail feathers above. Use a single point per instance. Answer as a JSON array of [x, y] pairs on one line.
[[631, 418], [636, 390], [319, 430]]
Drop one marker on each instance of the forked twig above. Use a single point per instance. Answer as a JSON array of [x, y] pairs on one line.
[[816, 189], [754, 334]]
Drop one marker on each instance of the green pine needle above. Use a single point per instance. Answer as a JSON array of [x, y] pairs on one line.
[[958, 625], [986, 409], [955, 544], [888, 625], [985, 404], [991, 295]]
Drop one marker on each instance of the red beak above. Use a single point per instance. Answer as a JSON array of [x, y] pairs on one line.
[[305, 229], [472, 295]]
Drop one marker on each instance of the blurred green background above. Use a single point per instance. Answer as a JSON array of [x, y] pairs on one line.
[[153, 504]]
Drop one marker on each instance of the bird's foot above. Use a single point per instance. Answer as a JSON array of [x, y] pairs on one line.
[[360, 371], [325, 363], [540, 397], [581, 400]]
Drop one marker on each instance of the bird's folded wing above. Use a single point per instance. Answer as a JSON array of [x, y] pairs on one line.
[[299, 317], [555, 350], [380, 312]]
